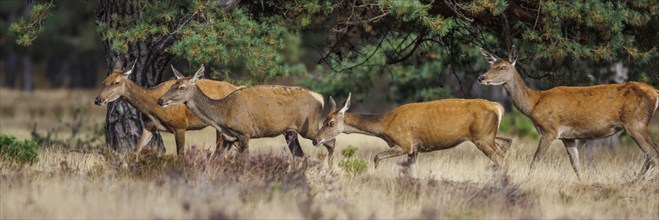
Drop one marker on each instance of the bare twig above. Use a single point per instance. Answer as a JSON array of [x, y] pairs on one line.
[[455, 10]]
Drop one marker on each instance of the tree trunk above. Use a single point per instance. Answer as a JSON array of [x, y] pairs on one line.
[[124, 124], [11, 68], [26, 76]]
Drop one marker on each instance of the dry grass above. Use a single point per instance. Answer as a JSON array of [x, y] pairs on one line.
[[456, 183], [450, 184]]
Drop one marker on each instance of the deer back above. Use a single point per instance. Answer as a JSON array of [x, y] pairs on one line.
[[444, 122], [269, 110]]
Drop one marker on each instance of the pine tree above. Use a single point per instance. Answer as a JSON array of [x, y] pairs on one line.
[[412, 46]]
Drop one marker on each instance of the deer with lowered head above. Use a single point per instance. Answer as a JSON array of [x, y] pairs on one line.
[[424, 127], [174, 119], [251, 112], [572, 113]]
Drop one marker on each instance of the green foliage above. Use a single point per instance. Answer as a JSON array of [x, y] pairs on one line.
[[349, 151], [236, 39], [18, 152], [409, 49], [518, 124], [353, 166], [27, 31], [559, 42], [412, 81]]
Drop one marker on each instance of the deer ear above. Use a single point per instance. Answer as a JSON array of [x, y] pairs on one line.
[[199, 74], [177, 73], [489, 57], [132, 67], [332, 103], [346, 106], [512, 56]]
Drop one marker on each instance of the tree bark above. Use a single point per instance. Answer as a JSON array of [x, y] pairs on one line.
[[123, 122]]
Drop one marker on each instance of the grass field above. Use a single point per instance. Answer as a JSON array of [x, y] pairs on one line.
[[270, 184]]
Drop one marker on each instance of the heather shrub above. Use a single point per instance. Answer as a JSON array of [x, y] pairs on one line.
[[265, 169]]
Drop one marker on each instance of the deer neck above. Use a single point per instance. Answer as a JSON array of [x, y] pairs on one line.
[[206, 108], [140, 97], [363, 124], [523, 97]]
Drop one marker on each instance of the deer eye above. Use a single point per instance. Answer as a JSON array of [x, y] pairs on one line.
[[330, 123], [501, 67], [181, 88]]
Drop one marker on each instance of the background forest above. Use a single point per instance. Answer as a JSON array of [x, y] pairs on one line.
[[415, 50], [58, 151], [386, 52]]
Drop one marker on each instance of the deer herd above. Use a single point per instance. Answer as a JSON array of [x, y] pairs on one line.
[[239, 113]]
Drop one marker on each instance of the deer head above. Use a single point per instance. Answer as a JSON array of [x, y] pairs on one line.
[[114, 86], [334, 124], [501, 71], [182, 90]]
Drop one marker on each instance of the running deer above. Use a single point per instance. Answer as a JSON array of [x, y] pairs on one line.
[[251, 112], [175, 119], [424, 127], [574, 113]]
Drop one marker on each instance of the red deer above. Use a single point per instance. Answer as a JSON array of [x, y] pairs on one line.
[[175, 119], [573, 113], [251, 112], [424, 127]]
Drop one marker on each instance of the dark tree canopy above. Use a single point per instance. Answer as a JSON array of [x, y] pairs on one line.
[[417, 42], [412, 50]]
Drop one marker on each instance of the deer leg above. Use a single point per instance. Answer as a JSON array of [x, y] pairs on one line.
[[644, 168], [543, 146], [489, 149], [642, 139], [407, 165], [573, 152], [144, 139], [243, 145], [330, 150], [293, 143], [503, 145], [220, 143], [393, 152], [179, 137]]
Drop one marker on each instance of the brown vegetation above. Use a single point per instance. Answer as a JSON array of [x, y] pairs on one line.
[[445, 184]]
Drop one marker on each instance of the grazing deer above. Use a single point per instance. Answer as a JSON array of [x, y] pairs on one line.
[[424, 127], [175, 119], [251, 112], [573, 113]]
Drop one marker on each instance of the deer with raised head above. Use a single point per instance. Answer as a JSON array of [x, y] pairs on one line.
[[424, 127], [175, 119], [574, 113], [251, 112]]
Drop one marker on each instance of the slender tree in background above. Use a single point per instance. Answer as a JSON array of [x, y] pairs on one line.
[[412, 50]]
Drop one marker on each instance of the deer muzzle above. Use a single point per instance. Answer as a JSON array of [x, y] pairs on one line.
[[98, 101], [162, 103], [317, 142]]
